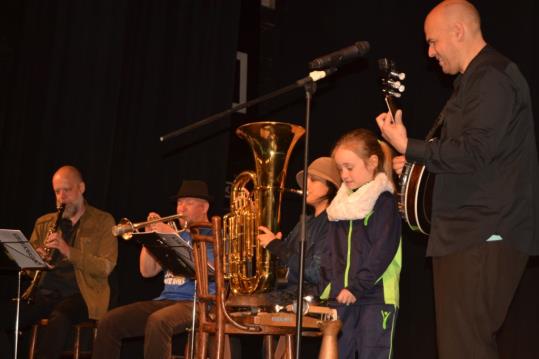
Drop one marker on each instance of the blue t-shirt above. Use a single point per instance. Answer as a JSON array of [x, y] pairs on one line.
[[180, 287]]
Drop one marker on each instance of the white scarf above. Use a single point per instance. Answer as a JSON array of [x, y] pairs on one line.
[[349, 204]]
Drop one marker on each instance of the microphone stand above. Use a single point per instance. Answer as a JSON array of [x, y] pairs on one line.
[[313, 77], [310, 89], [309, 83]]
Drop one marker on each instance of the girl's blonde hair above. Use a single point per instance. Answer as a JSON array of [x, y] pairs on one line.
[[364, 144]]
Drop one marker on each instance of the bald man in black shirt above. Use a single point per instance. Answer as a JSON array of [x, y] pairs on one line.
[[486, 196]]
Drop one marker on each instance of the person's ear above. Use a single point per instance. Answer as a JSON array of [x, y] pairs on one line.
[[459, 31], [82, 187], [372, 162]]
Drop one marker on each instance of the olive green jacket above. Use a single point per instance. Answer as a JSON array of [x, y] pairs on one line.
[[93, 255]]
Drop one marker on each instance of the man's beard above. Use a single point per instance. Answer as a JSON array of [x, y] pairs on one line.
[[70, 210]]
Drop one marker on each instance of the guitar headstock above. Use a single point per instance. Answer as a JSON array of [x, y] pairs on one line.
[[392, 83]]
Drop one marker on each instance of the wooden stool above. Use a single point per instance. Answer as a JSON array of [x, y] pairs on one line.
[[76, 353]]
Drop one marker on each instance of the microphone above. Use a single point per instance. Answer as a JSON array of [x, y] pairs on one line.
[[341, 56]]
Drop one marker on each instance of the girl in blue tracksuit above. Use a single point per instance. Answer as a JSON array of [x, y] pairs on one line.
[[362, 267]]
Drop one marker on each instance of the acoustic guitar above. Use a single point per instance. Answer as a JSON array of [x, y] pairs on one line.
[[415, 182]]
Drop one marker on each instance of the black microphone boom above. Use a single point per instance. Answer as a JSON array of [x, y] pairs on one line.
[[341, 56]]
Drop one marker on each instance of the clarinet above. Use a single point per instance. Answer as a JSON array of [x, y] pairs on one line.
[[48, 258]]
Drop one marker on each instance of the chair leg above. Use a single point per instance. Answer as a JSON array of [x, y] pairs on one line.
[[289, 346], [280, 349], [33, 342], [330, 347], [201, 347], [76, 343], [228, 351], [285, 347], [219, 351], [269, 347], [187, 349], [94, 334]]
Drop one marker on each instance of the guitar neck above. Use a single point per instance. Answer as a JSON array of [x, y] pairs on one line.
[[391, 105]]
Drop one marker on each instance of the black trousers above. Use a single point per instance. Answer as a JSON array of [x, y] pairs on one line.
[[61, 312], [473, 290]]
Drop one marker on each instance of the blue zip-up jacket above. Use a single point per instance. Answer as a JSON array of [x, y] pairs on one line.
[[364, 255], [287, 250]]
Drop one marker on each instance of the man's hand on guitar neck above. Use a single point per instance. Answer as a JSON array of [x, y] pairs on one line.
[[393, 130], [398, 164]]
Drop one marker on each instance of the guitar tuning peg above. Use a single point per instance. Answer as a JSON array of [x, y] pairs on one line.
[[396, 85], [394, 94], [400, 75]]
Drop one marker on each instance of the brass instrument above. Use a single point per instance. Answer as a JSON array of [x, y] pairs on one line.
[[49, 255], [126, 228], [247, 265]]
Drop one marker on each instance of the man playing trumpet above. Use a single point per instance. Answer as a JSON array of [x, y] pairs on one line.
[[169, 314]]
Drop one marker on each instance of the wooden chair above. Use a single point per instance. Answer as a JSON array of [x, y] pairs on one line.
[[77, 352], [213, 315], [91, 325]]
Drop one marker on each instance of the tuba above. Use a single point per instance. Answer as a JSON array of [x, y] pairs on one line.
[[247, 266]]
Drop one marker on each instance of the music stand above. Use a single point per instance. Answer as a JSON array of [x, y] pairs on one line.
[[171, 251], [25, 256]]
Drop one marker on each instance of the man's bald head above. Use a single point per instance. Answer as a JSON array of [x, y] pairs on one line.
[[461, 11], [453, 32], [69, 172]]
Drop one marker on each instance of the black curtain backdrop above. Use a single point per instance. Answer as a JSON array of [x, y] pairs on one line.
[[96, 83]]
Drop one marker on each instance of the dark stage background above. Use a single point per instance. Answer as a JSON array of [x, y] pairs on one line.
[[96, 83]]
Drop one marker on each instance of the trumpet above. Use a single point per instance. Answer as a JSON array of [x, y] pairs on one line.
[[126, 228]]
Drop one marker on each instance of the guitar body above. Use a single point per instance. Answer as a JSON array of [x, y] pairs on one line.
[[415, 196]]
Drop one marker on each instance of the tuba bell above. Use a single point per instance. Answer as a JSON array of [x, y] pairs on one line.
[[248, 266]]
